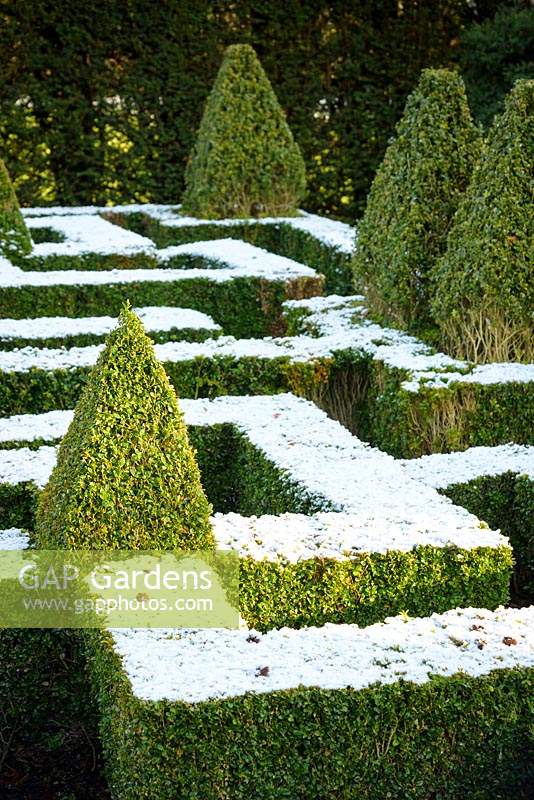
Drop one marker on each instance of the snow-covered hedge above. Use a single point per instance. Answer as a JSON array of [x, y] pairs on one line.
[[377, 542], [395, 391], [163, 324], [240, 285], [429, 705]]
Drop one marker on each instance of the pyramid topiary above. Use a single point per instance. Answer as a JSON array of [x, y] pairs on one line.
[[126, 475], [15, 239], [413, 198], [484, 300], [245, 161]]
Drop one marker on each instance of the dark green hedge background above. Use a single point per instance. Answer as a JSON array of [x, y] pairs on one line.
[[100, 101]]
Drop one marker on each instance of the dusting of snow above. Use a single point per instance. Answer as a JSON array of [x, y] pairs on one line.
[[330, 231], [25, 465], [239, 260], [87, 233], [154, 318], [49, 426], [178, 665], [328, 464], [14, 539], [289, 538], [483, 374], [236, 255], [446, 469]]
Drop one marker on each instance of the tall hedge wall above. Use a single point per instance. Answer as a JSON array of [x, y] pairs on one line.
[[101, 101]]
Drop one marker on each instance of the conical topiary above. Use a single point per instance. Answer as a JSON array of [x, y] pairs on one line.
[[484, 300], [15, 239], [245, 161], [413, 198], [126, 475]]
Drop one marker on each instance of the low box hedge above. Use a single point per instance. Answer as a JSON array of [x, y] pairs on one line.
[[407, 424], [85, 339], [506, 502], [365, 588], [276, 237], [87, 261], [365, 395], [452, 738], [37, 390], [242, 306]]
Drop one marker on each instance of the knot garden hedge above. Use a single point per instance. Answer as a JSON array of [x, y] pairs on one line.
[[377, 649]]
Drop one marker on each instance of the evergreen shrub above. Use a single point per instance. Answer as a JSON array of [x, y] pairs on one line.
[[126, 475], [245, 162], [413, 198], [484, 301], [15, 239]]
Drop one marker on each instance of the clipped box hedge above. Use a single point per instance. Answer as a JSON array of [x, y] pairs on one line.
[[47, 725], [38, 390], [87, 261], [506, 502], [365, 395], [454, 738], [365, 588], [407, 424], [85, 339], [242, 306], [369, 587], [276, 237]]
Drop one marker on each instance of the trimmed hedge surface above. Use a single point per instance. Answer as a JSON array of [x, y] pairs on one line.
[[47, 725], [87, 261], [242, 306], [367, 396], [276, 237], [85, 339], [454, 737], [364, 589], [506, 502]]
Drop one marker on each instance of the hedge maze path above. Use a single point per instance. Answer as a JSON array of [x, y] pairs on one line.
[[362, 478]]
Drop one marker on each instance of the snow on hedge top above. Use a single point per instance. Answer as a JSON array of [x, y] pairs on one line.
[[86, 233], [178, 665], [325, 462], [13, 539], [337, 323], [26, 465], [239, 256], [446, 469], [330, 231], [298, 537], [229, 259], [154, 318]]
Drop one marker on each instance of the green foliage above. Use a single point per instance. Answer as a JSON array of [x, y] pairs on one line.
[[408, 424], [493, 55], [276, 237], [244, 307], [378, 409], [505, 502], [15, 240], [245, 162], [65, 142], [484, 301], [369, 587], [405, 739], [48, 729], [413, 199], [126, 476]]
